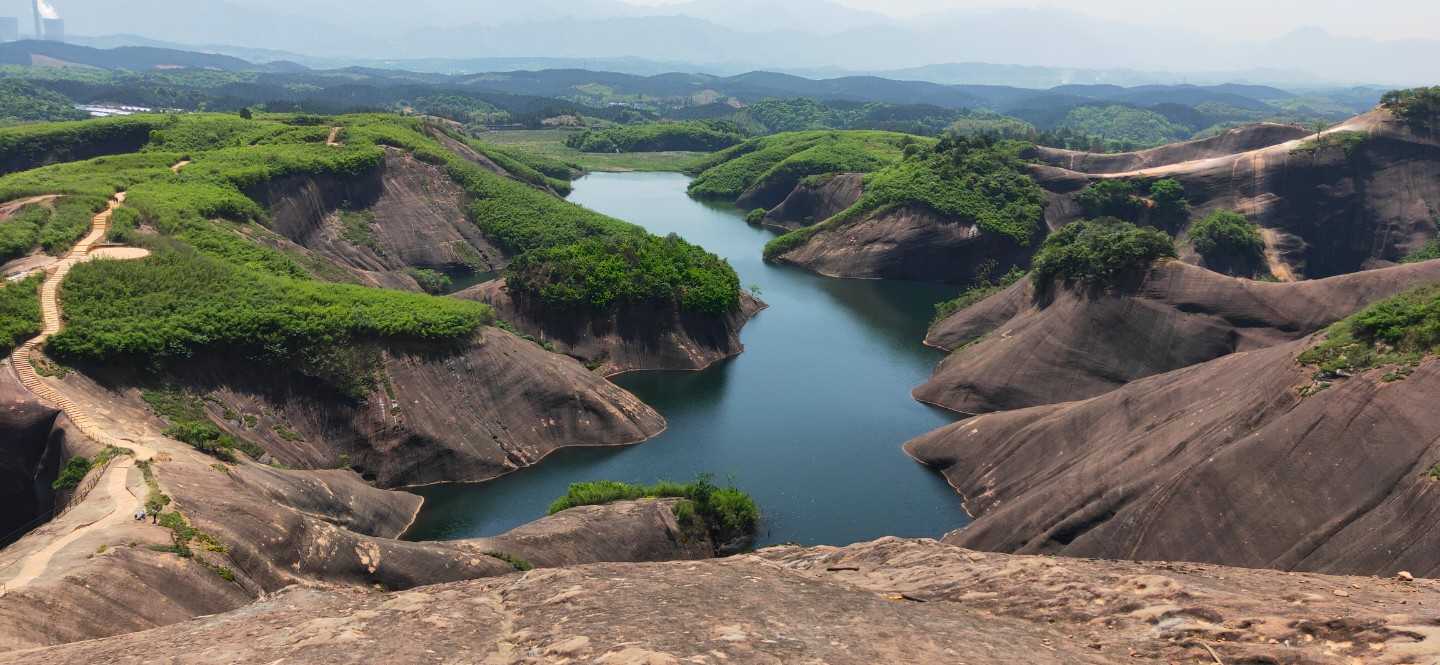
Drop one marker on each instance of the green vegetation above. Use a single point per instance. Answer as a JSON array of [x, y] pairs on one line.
[[992, 125], [968, 180], [771, 116], [694, 136], [155, 500], [357, 228], [179, 301], [549, 144], [1098, 253], [782, 161], [53, 226], [1229, 242], [211, 286], [430, 281], [28, 146], [515, 562], [72, 473], [566, 255], [1112, 198], [19, 311], [1419, 107], [76, 468], [602, 272], [973, 181], [755, 217], [23, 101], [1429, 252], [1126, 124], [1346, 141], [983, 288], [190, 424], [1400, 330], [1163, 203], [726, 512]]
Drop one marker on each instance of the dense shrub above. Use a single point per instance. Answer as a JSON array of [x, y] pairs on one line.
[[21, 232], [626, 269], [1429, 252], [1229, 242], [28, 146], [726, 512], [1125, 124], [19, 311], [23, 101], [1098, 252], [1116, 197], [968, 180], [178, 301], [755, 217], [430, 281], [1420, 107], [1170, 208], [72, 473], [783, 160], [1401, 329], [701, 136]]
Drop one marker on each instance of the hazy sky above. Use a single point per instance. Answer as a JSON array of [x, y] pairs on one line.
[[1377, 19]]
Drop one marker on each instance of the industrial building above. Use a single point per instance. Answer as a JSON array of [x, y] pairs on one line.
[[48, 24], [54, 29]]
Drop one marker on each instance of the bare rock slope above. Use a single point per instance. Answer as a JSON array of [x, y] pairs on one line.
[[1361, 197], [637, 337], [1020, 351], [889, 601], [814, 202], [1245, 460]]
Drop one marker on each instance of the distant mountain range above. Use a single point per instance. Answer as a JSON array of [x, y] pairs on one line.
[[730, 36]]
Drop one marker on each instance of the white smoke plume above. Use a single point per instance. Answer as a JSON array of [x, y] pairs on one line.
[[46, 9]]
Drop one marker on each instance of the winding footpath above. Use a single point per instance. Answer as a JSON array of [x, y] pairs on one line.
[[114, 488]]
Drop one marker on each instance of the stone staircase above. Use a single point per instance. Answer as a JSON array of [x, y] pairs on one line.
[[20, 359]]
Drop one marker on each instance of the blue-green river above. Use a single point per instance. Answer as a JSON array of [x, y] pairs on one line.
[[809, 419]]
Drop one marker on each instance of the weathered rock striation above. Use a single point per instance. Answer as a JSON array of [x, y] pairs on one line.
[[627, 338], [1244, 460], [1020, 351], [814, 202]]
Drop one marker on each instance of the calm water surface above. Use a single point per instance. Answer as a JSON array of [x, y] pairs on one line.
[[809, 419]]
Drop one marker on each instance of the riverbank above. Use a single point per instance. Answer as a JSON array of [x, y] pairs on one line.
[[808, 420]]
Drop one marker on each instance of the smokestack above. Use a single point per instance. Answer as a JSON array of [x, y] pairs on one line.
[[39, 33]]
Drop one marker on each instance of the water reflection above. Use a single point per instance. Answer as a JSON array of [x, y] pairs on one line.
[[809, 419]]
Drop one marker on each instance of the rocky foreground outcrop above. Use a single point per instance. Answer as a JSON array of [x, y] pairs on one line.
[[1246, 460], [1020, 350], [889, 601], [249, 529], [628, 338]]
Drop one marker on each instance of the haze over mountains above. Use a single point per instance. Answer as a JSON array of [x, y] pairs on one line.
[[727, 37]]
